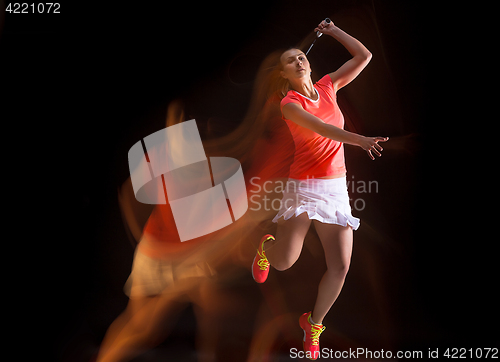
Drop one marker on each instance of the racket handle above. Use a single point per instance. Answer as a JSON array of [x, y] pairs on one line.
[[328, 21]]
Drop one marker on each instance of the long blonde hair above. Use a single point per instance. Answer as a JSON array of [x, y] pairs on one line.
[[272, 79]]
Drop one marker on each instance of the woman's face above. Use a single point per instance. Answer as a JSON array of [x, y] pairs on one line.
[[295, 64]]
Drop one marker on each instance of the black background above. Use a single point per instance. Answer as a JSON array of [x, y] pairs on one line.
[[82, 86]]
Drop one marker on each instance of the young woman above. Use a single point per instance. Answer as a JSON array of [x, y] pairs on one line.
[[316, 190]]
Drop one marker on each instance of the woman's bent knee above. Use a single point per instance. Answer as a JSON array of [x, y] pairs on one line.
[[283, 264], [339, 271]]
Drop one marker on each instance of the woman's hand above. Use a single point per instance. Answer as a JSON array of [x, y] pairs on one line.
[[325, 28], [370, 144]]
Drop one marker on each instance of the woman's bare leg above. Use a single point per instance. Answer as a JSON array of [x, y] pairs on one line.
[[337, 245], [283, 252]]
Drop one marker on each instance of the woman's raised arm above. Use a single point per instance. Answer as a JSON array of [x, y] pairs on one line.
[[361, 56]]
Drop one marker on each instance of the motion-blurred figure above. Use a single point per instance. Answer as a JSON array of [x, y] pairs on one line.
[[166, 276]]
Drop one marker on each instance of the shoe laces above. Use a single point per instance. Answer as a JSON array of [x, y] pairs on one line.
[[315, 333], [263, 263]]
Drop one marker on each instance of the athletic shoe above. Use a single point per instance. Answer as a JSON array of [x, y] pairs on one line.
[[311, 336], [260, 266]]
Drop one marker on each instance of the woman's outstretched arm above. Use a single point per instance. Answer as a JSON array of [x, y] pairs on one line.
[[295, 113], [361, 56]]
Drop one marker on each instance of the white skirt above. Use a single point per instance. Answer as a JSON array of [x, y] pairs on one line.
[[325, 200]]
